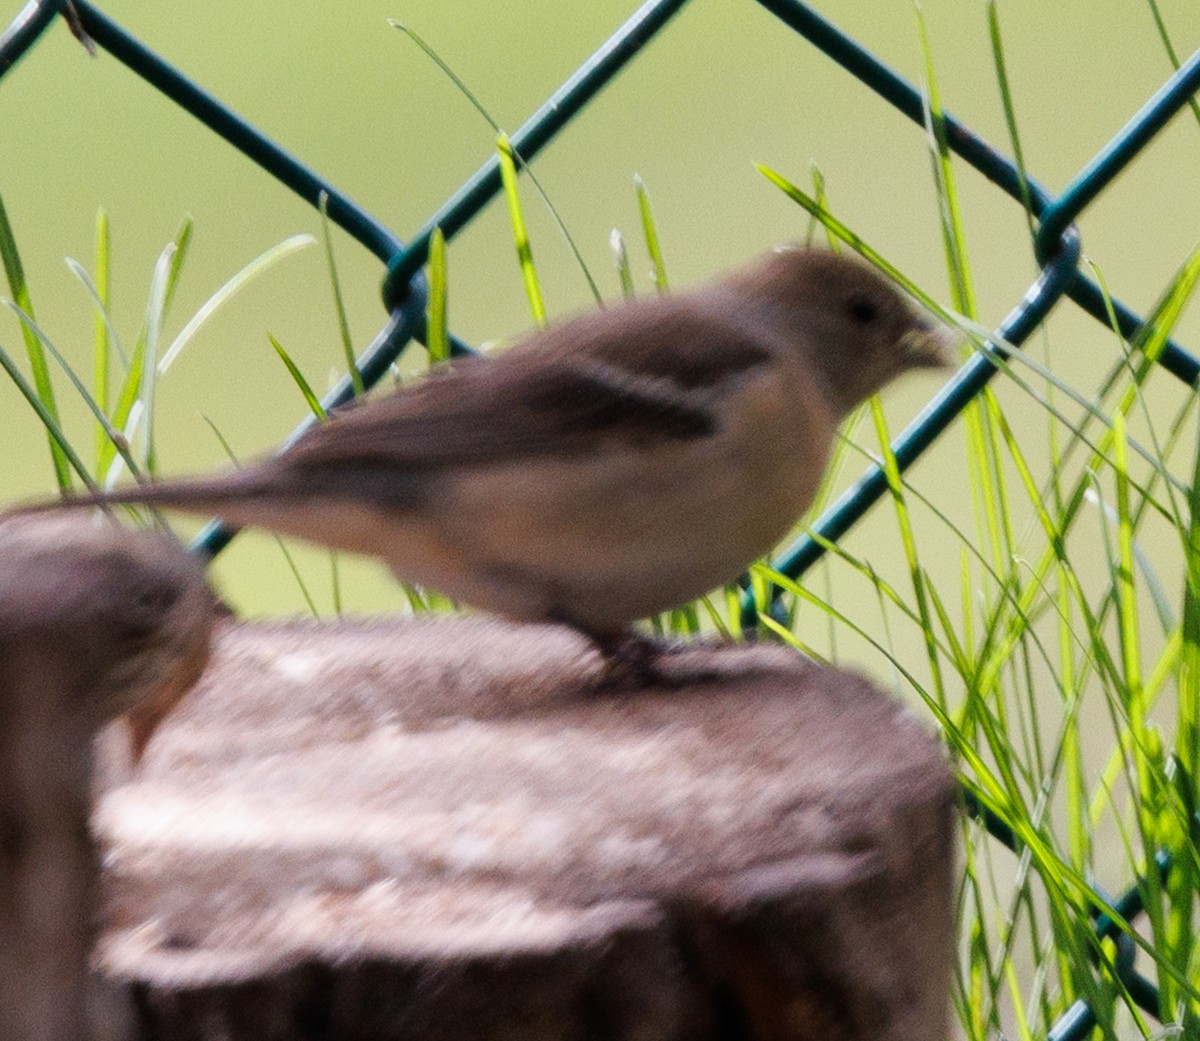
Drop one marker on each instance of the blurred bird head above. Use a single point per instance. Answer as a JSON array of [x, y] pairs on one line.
[[121, 619], [855, 327]]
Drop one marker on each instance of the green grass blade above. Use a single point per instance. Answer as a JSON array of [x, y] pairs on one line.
[[339, 304], [182, 243], [310, 398], [650, 231], [437, 339], [130, 406], [1139, 370], [621, 259], [1164, 35], [112, 340], [156, 308], [1100, 448], [111, 434], [125, 413], [508, 174], [1145, 567], [450, 74], [908, 540], [17, 285], [946, 190], [49, 421], [287, 553], [1184, 882], [473, 98], [821, 198], [101, 325], [239, 281], [860, 246], [1010, 111], [335, 582], [989, 494]]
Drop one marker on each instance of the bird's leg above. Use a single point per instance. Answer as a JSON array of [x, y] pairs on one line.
[[632, 660]]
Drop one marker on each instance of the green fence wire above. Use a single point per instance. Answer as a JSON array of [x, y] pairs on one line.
[[1057, 248]]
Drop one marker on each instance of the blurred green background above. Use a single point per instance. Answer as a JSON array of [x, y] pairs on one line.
[[723, 87]]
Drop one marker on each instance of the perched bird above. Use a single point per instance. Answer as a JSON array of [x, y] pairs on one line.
[[97, 622], [604, 469]]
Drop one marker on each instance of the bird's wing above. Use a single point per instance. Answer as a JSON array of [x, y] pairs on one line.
[[567, 391], [693, 342]]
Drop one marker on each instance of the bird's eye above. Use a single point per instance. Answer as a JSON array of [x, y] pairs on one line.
[[862, 309]]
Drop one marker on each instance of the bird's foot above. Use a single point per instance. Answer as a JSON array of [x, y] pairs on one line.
[[633, 661]]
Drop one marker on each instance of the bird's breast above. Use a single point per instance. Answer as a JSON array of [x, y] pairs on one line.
[[631, 528]]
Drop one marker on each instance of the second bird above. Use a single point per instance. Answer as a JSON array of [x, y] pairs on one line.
[[607, 468]]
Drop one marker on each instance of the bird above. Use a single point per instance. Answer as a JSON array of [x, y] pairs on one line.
[[99, 622], [605, 468], [96, 621]]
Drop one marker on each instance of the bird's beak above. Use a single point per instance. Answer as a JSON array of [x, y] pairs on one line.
[[931, 344], [143, 719], [141, 727]]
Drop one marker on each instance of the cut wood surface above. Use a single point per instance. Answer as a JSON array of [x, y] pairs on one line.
[[439, 828]]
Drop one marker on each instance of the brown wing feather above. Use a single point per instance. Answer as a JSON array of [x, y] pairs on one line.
[[682, 338], [564, 390]]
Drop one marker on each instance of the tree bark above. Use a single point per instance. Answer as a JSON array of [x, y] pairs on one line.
[[441, 828]]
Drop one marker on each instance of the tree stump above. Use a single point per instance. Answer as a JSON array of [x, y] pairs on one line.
[[440, 829]]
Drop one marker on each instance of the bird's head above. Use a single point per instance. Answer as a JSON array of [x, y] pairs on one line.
[[856, 328], [123, 618]]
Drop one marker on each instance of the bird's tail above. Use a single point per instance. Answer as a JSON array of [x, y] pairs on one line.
[[191, 495]]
